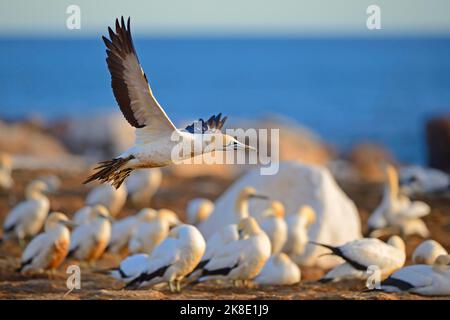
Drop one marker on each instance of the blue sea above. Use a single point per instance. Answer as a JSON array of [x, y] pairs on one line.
[[346, 90]]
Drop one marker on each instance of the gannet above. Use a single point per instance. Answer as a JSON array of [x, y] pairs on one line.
[[240, 260], [198, 210], [52, 181], [421, 279], [150, 233], [122, 231], [242, 200], [361, 254], [395, 209], [420, 180], [298, 224], [172, 259], [217, 241], [88, 241], [131, 267], [278, 270], [49, 249], [27, 218], [273, 224], [156, 135], [142, 185], [427, 252], [6, 180], [82, 215], [112, 199]]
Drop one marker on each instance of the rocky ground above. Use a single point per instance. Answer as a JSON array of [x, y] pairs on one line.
[[174, 195]]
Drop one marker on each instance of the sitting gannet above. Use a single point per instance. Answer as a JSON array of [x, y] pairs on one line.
[[6, 181], [396, 210], [427, 252], [142, 185], [27, 218], [112, 199], [361, 254], [131, 267], [88, 241], [421, 279], [273, 224], [49, 249], [279, 270], [151, 232], [298, 224], [218, 240], [240, 260], [198, 210], [172, 259], [122, 231], [156, 135]]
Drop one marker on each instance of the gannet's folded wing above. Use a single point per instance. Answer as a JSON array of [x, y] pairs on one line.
[[130, 85], [410, 277], [18, 213], [33, 249]]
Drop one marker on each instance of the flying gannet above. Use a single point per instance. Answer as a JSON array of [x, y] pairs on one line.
[[396, 210], [421, 279], [122, 231], [89, 241], [156, 135], [279, 270], [198, 210], [142, 185], [151, 232], [49, 249], [27, 218], [361, 254], [273, 224], [298, 225], [112, 199], [172, 259], [240, 260], [427, 252]]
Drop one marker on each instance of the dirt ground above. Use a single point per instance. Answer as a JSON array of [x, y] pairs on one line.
[[174, 195]]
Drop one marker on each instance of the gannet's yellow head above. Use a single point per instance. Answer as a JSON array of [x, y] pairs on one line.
[[250, 193], [146, 215], [397, 242], [57, 218], [5, 161], [169, 216], [230, 143], [443, 259], [36, 187], [308, 214], [276, 209], [248, 227], [100, 212]]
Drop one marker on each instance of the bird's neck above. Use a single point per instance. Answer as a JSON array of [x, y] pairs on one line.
[[242, 208]]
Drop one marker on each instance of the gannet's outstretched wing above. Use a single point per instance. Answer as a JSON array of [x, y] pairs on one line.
[[130, 84]]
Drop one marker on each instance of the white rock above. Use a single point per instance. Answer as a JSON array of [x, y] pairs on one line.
[[297, 184]]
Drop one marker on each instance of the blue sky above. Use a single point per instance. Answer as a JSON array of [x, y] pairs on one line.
[[226, 17]]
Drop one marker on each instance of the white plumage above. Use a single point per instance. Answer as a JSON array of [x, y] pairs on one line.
[[427, 252], [88, 241], [297, 239], [150, 233], [142, 185], [48, 249], [82, 216], [113, 199], [240, 260], [361, 254], [198, 210], [273, 224], [131, 267], [123, 230], [172, 259], [279, 270], [27, 218], [422, 279]]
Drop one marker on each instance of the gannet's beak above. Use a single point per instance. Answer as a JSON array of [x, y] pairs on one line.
[[259, 196], [69, 223]]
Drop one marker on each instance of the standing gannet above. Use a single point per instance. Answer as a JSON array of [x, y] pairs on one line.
[[198, 210], [172, 259], [122, 231], [395, 209], [361, 254], [27, 218], [421, 279], [49, 249], [151, 232], [427, 252], [240, 260], [279, 270], [142, 185], [89, 241], [6, 181], [104, 194], [273, 224], [156, 135], [298, 224]]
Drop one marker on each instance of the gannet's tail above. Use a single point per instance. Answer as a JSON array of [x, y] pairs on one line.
[[111, 171]]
